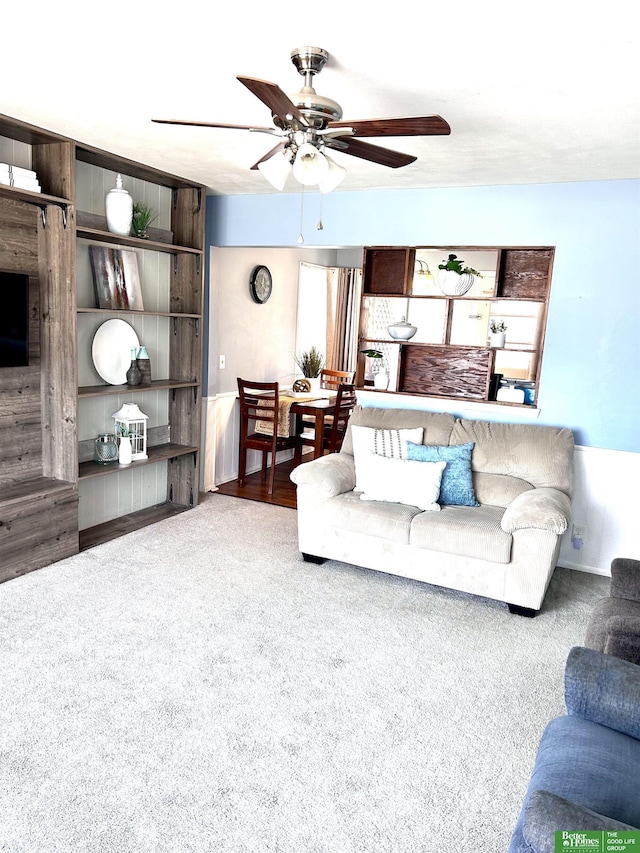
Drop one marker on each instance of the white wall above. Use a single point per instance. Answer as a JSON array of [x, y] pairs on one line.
[[257, 341]]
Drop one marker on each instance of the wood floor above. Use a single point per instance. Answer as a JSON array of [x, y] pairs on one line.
[[255, 488]]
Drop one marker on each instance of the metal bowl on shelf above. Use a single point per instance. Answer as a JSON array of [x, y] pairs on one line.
[[402, 331]]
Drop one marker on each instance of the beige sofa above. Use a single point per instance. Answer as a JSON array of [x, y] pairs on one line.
[[505, 548]]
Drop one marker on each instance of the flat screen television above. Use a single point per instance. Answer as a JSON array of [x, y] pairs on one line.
[[14, 319]]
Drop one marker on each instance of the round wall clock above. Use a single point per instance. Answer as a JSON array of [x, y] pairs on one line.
[[260, 284]]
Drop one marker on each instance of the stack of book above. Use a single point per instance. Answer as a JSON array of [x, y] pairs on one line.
[[15, 176]]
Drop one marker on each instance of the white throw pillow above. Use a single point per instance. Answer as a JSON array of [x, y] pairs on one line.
[[403, 481], [389, 443]]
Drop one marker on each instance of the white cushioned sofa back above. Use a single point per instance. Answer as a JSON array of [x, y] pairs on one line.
[[437, 425], [539, 455]]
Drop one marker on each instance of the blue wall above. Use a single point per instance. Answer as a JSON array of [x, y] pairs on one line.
[[591, 368]]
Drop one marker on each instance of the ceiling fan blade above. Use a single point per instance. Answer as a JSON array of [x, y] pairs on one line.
[[269, 155], [214, 124], [374, 153], [410, 126], [273, 96]]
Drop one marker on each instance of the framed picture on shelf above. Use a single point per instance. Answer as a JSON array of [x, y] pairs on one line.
[[116, 279]]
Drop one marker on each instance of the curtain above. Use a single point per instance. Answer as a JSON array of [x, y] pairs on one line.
[[344, 289]]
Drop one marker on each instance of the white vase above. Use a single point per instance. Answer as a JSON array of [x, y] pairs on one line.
[[124, 450], [381, 380], [497, 339], [119, 209], [453, 283]]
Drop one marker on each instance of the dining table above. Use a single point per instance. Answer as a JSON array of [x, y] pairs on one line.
[[318, 409], [293, 406]]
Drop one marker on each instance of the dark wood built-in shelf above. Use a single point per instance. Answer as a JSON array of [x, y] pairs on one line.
[[98, 236], [156, 385], [156, 454], [127, 524]]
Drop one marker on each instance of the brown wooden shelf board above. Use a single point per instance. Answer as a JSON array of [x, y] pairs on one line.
[[39, 199], [109, 530], [27, 489], [156, 454], [137, 242], [179, 315], [156, 385]]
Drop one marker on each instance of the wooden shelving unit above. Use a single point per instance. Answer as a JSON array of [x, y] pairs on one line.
[[448, 368], [40, 474]]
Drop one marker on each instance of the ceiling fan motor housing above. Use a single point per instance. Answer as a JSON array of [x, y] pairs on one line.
[[317, 109]]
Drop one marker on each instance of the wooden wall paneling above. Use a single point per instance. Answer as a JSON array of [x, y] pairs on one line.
[[53, 164], [186, 295], [59, 377], [446, 371], [37, 529], [185, 348], [183, 479], [525, 273], [188, 215], [18, 236], [184, 416], [388, 270]]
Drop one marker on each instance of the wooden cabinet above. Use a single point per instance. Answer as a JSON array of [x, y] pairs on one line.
[[452, 354], [52, 410], [38, 451]]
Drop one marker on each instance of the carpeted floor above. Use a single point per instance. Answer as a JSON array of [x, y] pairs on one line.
[[195, 686]]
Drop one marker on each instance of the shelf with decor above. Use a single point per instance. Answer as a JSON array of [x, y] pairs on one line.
[[452, 352], [169, 264]]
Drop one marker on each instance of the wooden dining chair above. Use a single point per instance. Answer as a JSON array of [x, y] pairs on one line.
[[335, 430], [332, 379], [259, 404]]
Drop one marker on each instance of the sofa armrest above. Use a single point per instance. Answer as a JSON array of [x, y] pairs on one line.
[[546, 813], [331, 475], [603, 689], [622, 638], [546, 509], [625, 578]]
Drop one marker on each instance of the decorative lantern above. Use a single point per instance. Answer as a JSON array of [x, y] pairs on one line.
[[132, 422]]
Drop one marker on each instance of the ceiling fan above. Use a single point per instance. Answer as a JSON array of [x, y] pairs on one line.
[[307, 124]]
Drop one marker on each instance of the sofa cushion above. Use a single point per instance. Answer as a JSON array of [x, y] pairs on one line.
[[540, 455], [368, 441], [456, 488], [575, 762], [349, 514], [437, 426], [465, 531], [402, 481], [498, 489]]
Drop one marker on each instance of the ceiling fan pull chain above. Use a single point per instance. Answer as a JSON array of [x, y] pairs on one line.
[[320, 226], [300, 235]]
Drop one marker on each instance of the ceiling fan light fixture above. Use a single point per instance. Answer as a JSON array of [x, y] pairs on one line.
[[276, 169], [310, 165], [334, 176]]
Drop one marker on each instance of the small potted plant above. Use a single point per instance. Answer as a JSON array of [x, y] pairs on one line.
[[311, 363], [454, 279], [498, 333], [143, 216], [379, 376]]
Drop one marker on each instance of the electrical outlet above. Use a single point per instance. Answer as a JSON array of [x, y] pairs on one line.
[[223, 362], [578, 531]]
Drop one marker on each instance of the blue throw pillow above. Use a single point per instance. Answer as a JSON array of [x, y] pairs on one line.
[[456, 488]]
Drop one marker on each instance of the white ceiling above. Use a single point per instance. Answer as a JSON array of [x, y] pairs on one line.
[[534, 92]]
